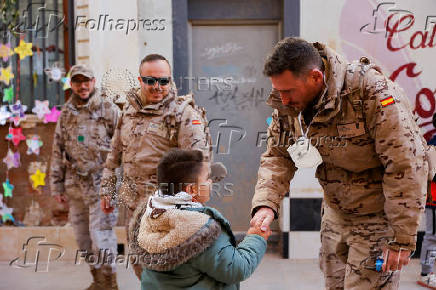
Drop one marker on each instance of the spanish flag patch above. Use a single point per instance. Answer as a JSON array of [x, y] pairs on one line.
[[388, 101], [196, 122]]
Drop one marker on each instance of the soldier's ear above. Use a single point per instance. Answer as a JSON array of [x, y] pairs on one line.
[[316, 75]]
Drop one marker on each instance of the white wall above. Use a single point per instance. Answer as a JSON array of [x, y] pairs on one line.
[[122, 47]]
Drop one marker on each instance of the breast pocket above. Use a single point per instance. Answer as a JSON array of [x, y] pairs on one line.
[[157, 129], [357, 150]]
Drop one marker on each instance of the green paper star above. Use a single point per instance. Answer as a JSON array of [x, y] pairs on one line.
[[7, 187], [8, 94]]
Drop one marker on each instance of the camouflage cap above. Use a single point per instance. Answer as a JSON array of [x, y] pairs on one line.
[[80, 69]]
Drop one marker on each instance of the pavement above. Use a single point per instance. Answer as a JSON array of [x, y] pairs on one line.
[[274, 273]]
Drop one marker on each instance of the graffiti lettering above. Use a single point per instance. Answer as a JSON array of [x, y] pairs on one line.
[[420, 39]]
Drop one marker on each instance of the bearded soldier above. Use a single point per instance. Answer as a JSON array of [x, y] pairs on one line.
[[81, 144]]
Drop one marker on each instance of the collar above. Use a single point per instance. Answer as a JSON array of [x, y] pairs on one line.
[[133, 96]]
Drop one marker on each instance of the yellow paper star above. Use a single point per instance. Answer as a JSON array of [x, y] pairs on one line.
[[6, 75], [38, 179], [24, 49]]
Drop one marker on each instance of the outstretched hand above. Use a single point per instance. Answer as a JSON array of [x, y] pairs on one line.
[[262, 219]]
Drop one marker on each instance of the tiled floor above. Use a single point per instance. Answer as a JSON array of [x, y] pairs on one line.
[[274, 273]]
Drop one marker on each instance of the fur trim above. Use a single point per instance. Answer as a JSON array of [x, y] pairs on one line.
[[180, 254], [176, 255], [170, 229]]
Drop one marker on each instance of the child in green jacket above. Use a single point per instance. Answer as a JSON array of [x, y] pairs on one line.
[[185, 245]]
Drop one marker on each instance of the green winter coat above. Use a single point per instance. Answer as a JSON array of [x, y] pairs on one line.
[[193, 249]]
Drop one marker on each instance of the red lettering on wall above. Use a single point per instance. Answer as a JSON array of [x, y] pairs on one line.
[[409, 67], [392, 31], [419, 39], [418, 105]]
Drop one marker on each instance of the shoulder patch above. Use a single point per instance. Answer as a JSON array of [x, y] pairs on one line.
[[387, 101]]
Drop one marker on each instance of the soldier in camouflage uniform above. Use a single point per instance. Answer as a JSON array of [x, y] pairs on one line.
[[373, 169], [154, 121], [81, 144]]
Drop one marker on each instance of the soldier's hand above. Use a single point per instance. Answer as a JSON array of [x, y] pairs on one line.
[[258, 231], [395, 260], [60, 198], [263, 218], [105, 204]]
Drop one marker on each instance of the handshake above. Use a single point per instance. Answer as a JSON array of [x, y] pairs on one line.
[[259, 224]]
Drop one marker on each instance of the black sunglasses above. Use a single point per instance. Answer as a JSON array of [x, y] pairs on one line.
[[152, 80]]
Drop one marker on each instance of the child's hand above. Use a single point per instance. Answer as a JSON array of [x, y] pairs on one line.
[[258, 231]]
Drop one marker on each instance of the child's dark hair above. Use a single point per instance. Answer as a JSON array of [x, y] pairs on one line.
[[177, 168]]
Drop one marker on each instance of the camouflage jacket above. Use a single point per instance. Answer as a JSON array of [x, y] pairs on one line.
[[81, 144], [144, 134], [372, 151]]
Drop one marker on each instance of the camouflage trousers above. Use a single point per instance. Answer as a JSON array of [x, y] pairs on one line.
[[428, 250], [94, 232], [349, 249]]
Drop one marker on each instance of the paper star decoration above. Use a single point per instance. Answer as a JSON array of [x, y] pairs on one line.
[[35, 79], [24, 49], [12, 159], [4, 114], [5, 51], [8, 94], [38, 179], [5, 212], [52, 116], [7, 188], [66, 81], [17, 112], [6, 75], [33, 145], [15, 135], [55, 73], [41, 108]]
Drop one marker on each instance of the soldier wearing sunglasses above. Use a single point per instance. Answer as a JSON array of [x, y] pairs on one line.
[[154, 121]]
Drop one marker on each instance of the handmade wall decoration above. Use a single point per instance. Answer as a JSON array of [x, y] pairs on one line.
[[15, 135], [66, 81], [33, 144], [4, 114], [38, 179], [8, 94], [17, 111], [12, 159], [7, 188], [41, 108], [5, 212], [24, 49], [55, 72], [52, 116], [6, 75], [5, 51]]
